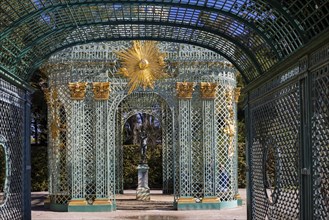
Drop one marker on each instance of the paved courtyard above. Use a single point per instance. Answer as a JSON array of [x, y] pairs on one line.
[[157, 213]]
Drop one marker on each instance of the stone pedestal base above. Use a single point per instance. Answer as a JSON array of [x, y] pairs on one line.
[[143, 194], [143, 190]]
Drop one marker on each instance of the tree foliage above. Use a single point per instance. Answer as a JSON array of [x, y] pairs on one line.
[[39, 164], [131, 158]]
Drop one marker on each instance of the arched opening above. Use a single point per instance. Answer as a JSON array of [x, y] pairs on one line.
[[132, 130], [150, 113]]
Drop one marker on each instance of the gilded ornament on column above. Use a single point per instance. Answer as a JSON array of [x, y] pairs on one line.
[[184, 90], [54, 128], [51, 97], [142, 64], [208, 90], [78, 90], [101, 90], [237, 92], [46, 92], [230, 127]]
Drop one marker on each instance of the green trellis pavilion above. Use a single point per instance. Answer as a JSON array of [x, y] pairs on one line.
[[177, 61]]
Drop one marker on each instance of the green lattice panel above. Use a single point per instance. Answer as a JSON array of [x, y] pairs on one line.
[[11, 129], [320, 142], [276, 126]]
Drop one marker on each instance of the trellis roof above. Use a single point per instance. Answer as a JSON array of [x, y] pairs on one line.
[[253, 35]]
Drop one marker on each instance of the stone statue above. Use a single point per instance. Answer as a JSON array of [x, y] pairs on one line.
[[143, 137]]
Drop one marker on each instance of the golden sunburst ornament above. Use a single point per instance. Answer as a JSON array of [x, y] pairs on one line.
[[142, 64]]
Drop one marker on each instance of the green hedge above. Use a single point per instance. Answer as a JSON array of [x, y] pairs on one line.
[[131, 158], [39, 164]]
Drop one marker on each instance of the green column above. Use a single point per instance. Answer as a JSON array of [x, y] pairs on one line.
[[100, 108], [78, 191], [209, 140], [185, 143]]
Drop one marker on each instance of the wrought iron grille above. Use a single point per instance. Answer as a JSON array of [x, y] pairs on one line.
[[320, 142], [254, 35], [275, 154], [12, 111]]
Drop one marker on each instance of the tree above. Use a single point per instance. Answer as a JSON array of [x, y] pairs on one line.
[[38, 112]]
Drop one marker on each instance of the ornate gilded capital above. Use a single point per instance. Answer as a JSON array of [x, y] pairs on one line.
[[78, 90], [237, 92], [101, 90], [208, 90], [184, 90]]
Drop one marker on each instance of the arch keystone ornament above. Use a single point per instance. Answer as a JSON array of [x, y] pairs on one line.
[[78, 90], [184, 90], [142, 64], [101, 90], [208, 90]]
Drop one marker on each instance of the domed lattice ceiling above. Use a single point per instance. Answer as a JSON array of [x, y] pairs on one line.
[[254, 35]]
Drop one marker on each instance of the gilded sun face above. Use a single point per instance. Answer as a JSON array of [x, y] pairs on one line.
[[142, 64]]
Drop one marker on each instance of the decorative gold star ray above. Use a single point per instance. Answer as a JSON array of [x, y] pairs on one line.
[[142, 64]]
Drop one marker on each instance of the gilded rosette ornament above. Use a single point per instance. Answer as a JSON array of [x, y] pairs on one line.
[[184, 90], [101, 90], [208, 90], [142, 64], [78, 90]]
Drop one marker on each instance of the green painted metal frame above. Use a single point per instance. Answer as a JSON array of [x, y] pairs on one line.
[[312, 59], [48, 9], [280, 25], [141, 38]]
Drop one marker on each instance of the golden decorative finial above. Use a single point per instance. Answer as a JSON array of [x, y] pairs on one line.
[[237, 92], [78, 90], [142, 64], [208, 90], [184, 90], [101, 90]]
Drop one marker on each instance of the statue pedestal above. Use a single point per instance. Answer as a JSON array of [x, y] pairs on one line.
[[143, 190]]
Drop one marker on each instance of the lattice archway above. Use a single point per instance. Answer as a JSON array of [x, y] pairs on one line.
[[155, 105], [292, 34], [199, 141]]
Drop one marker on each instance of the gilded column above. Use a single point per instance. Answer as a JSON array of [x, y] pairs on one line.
[[208, 94], [101, 91], [77, 93], [184, 95]]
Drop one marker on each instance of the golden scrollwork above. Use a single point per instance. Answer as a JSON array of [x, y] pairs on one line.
[[101, 90], [142, 64], [46, 92], [230, 127], [51, 96], [184, 90], [54, 127], [237, 92], [208, 90], [78, 90]]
